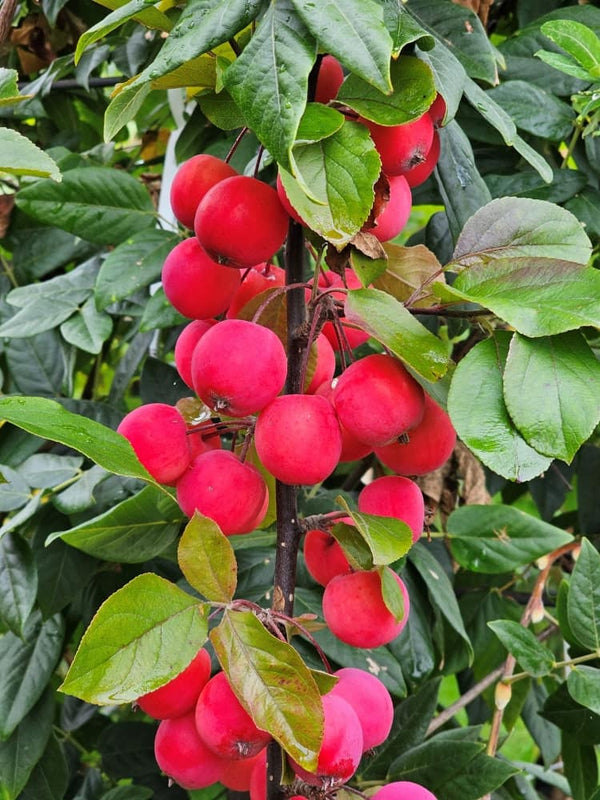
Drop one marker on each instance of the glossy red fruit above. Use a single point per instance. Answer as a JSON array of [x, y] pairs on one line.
[[324, 364], [182, 755], [157, 433], [240, 222], [342, 745], [352, 448], [395, 496], [329, 79], [195, 284], [191, 182], [324, 557], [221, 487], [419, 174], [199, 443], [237, 773], [402, 147], [298, 438], [403, 790], [351, 280], [430, 444], [371, 701], [284, 200], [238, 367], [437, 111], [355, 612], [224, 725], [180, 694], [185, 345], [376, 399], [395, 215], [258, 779], [258, 279]]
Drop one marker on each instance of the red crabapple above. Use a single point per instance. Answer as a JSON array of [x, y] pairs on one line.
[[376, 399], [284, 200], [324, 556], [185, 344], [258, 279], [352, 448], [402, 147], [429, 446], [324, 364], [437, 111], [191, 182], [342, 745], [240, 222], [258, 779], [202, 442], [220, 486], [370, 699], [194, 284], [403, 790], [419, 174], [238, 367], [180, 694], [329, 79], [182, 755], [351, 280], [354, 610], [395, 215], [224, 725], [157, 433], [237, 772], [298, 438], [395, 496]]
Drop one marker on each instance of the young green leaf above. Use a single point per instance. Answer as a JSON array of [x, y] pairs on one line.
[[541, 378], [394, 326], [584, 686], [387, 538], [207, 559], [20, 156], [583, 604], [496, 538], [534, 657], [273, 684], [18, 582], [142, 636], [392, 593], [579, 41], [127, 100]]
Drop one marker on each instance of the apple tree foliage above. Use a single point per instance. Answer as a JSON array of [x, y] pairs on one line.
[[491, 298]]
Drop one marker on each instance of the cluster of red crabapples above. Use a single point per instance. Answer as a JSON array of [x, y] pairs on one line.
[[205, 736], [237, 368]]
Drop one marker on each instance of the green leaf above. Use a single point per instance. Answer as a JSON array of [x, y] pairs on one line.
[[564, 64], [159, 313], [392, 593], [98, 204], [21, 157], [534, 657], [88, 328], [408, 269], [583, 604], [207, 559], [333, 188], [318, 122], [144, 634], [269, 80], [531, 109], [541, 378], [131, 792], [584, 686], [388, 538], [26, 666], [132, 265], [47, 470], [580, 768], [504, 124], [23, 750], [449, 74], [477, 408], [518, 227], [18, 582], [495, 539], [50, 420], [9, 88], [440, 589], [409, 728], [220, 109], [111, 22], [578, 721], [353, 31], [133, 531], [14, 490], [202, 26], [414, 92], [403, 28], [272, 683], [394, 326], [577, 40], [123, 107], [50, 776], [462, 188]]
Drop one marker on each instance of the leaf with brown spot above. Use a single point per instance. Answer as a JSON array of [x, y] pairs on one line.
[[408, 269]]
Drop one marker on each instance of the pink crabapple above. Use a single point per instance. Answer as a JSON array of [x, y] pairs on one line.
[[371, 701], [395, 496], [191, 182], [183, 756], [180, 694]]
